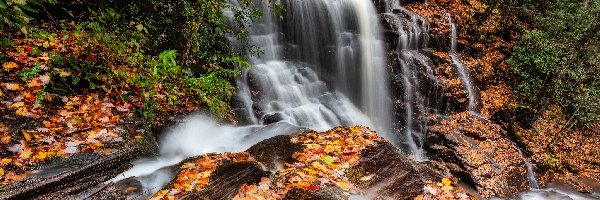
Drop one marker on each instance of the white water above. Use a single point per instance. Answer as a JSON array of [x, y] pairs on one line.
[[198, 135], [463, 74], [375, 92], [413, 38], [318, 63], [321, 61]]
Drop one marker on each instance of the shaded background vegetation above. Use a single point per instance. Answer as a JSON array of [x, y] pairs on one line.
[[182, 46]]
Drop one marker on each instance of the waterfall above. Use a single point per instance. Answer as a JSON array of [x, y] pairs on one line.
[[463, 74], [322, 66], [412, 40], [533, 183]]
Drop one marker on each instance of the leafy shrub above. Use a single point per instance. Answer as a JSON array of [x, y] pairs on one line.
[[13, 13], [557, 62]]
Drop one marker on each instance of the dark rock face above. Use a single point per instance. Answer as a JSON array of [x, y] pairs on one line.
[[272, 160], [82, 179], [228, 178], [386, 173], [479, 153]]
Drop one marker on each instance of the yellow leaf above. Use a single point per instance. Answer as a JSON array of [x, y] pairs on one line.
[[420, 197], [26, 135], [22, 111], [446, 182], [26, 153], [342, 184], [9, 65], [18, 104], [447, 188], [41, 155], [13, 87]]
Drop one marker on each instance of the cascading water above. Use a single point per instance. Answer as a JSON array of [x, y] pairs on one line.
[[413, 37], [319, 61], [463, 74], [285, 84], [320, 53]]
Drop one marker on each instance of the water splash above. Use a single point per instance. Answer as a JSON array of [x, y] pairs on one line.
[[198, 135]]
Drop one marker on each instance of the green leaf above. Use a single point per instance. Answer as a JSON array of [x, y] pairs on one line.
[[139, 27], [328, 160]]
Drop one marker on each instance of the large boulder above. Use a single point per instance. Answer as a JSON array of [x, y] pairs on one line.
[[479, 153], [336, 164]]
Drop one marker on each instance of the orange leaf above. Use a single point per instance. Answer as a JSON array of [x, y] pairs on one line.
[[26, 135], [34, 83], [6, 139]]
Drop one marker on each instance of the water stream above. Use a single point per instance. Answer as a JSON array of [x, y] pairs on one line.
[[463, 74], [412, 41]]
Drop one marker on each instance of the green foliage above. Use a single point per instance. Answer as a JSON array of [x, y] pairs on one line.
[[558, 62], [14, 13], [553, 164], [30, 73]]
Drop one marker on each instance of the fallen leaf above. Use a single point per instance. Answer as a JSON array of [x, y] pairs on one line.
[[328, 160], [5, 161], [70, 150], [22, 111], [45, 79], [9, 65], [17, 148], [41, 155], [26, 135], [12, 86], [34, 83], [6, 139], [26, 154], [17, 105], [446, 182]]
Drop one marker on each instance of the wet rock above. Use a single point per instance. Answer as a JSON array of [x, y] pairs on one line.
[[386, 173], [274, 152], [273, 118], [285, 167], [73, 177], [479, 153], [228, 178]]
